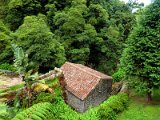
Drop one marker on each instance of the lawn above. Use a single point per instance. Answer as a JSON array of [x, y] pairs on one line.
[[140, 110]]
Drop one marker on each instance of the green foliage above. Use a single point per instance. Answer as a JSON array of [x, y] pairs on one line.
[[91, 114], [59, 110], [44, 97], [119, 75], [6, 112], [106, 113], [117, 102], [18, 9], [40, 111], [5, 47], [82, 31], [141, 57], [21, 59], [87, 30], [35, 37], [6, 66], [4, 115], [65, 112], [3, 8]]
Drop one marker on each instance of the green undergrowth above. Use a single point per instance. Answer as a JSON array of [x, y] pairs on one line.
[[6, 66], [4, 115], [6, 112], [61, 111], [106, 111], [40, 111]]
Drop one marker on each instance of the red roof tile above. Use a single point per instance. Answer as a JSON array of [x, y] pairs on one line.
[[81, 80]]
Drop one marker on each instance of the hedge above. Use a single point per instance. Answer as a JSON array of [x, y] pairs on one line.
[[115, 104]]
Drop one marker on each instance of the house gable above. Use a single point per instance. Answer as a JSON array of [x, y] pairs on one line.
[[80, 79]]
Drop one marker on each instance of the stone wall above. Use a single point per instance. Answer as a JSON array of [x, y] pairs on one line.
[[75, 102], [99, 94]]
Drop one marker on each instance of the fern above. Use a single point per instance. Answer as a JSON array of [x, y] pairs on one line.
[[40, 111], [39, 114], [3, 111], [35, 117]]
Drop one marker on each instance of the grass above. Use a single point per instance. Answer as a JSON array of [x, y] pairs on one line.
[[140, 110]]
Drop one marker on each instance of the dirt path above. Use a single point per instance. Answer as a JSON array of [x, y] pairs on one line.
[[8, 81]]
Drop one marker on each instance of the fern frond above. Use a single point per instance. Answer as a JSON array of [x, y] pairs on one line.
[[40, 111]]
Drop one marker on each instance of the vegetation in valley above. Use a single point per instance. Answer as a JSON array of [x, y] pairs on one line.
[[38, 35], [51, 32]]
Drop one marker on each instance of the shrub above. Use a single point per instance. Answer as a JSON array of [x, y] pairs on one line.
[[40, 111], [106, 113], [124, 99], [6, 66], [118, 76], [90, 114], [117, 102]]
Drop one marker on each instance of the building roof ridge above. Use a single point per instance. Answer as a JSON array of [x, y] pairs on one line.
[[75, 65]]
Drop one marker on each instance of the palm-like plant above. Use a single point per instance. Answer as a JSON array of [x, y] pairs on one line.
[[21, 59], [21, 64]]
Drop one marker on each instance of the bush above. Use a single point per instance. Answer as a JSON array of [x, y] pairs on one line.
[[124, 99], [118, 76], [6, 66], [40, 111], [106, 113], [117, 102]]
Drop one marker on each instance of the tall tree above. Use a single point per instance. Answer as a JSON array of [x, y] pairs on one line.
[[35, 37], [91, 31], [18, 9], [5, 44], [88, 28], [141, 58]]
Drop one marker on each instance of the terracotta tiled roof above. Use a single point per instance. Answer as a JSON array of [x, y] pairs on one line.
[[81, 80]]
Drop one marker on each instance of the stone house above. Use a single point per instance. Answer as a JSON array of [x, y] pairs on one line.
[[85, 87]]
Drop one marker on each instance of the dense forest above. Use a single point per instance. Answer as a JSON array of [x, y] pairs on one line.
[[38, 35], [51, 31]]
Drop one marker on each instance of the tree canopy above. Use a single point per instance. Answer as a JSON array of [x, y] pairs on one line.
[[141, 58], [81, 31], [35, 37]]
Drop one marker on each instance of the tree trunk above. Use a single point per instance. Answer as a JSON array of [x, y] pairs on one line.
[[149, 96]]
